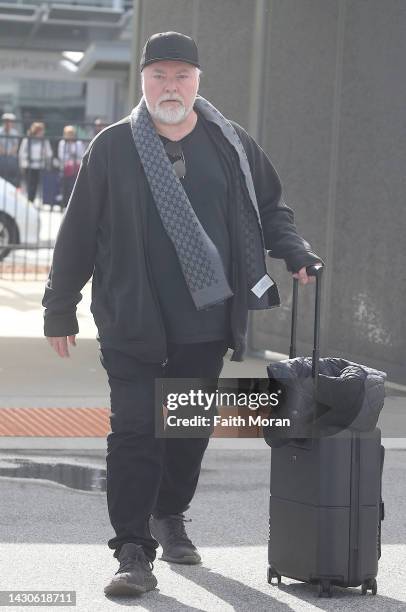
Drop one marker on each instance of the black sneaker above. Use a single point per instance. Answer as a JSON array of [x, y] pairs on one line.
[[170, 532], [134, 575]]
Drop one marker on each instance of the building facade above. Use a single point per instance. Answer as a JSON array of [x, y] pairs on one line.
[[42, 45]]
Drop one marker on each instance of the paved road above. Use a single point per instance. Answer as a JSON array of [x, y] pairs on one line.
[[53, 537]]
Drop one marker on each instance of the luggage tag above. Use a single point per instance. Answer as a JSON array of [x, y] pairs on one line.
[[262, 285]]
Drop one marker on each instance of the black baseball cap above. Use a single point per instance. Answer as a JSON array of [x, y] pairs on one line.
[[169, 46]]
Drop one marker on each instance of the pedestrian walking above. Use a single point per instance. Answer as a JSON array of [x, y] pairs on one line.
[[70, 153], [172, 214], [35, 155]]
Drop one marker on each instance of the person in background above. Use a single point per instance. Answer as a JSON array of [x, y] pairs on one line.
[[34, 155], [99, 125], [9, 141], [70, 153]]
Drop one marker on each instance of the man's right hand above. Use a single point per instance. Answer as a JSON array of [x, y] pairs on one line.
[[60, 344]]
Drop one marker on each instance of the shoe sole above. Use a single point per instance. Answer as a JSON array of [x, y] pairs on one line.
[[181, 560], [127, 589]]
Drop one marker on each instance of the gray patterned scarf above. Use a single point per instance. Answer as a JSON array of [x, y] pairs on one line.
[[199, 258]]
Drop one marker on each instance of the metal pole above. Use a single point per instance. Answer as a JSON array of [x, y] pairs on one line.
[[293, 328], [134, 85]]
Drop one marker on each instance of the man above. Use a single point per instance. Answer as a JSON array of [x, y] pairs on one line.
[[9, 142], [171, 212]]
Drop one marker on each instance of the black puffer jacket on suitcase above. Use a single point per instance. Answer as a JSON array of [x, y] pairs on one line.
[[349, 395]]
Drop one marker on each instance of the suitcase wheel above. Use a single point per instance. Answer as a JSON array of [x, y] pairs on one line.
[[272, 573], [325, 588], [371, 585]]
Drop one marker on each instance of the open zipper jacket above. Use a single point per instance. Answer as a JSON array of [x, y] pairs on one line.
[[103, 234]]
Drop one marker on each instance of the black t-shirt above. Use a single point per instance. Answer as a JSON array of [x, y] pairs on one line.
[[205, 184]]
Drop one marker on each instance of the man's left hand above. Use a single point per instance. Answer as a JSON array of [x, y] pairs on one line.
[[303, 277]]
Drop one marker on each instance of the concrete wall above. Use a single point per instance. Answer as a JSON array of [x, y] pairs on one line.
[[334, 124], [225, 36], [320, 84]]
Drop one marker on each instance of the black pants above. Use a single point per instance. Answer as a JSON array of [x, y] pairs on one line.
[[32, 176], [147, 474]]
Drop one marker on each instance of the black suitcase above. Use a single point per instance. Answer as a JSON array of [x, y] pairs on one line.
[[326, 504]]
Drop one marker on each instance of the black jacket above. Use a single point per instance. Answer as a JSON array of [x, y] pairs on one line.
[[349, 396], [103, 234]]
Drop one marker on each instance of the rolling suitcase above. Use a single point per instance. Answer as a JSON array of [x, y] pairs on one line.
[[326, 506]]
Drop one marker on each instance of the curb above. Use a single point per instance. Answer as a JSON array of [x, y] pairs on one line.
[[21, 443]]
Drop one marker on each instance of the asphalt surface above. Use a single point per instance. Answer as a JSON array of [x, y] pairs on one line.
[[54, 538]]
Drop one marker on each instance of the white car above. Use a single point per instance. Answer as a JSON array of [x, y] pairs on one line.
[[19, 219]]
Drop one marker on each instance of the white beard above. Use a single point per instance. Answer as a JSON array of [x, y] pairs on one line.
[[169, 116]]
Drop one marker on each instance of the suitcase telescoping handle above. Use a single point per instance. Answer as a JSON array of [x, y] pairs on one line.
[[314, 270]]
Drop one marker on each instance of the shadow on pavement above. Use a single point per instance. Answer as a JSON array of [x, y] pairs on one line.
[[155, 602], [351, 598], [235, 593]]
